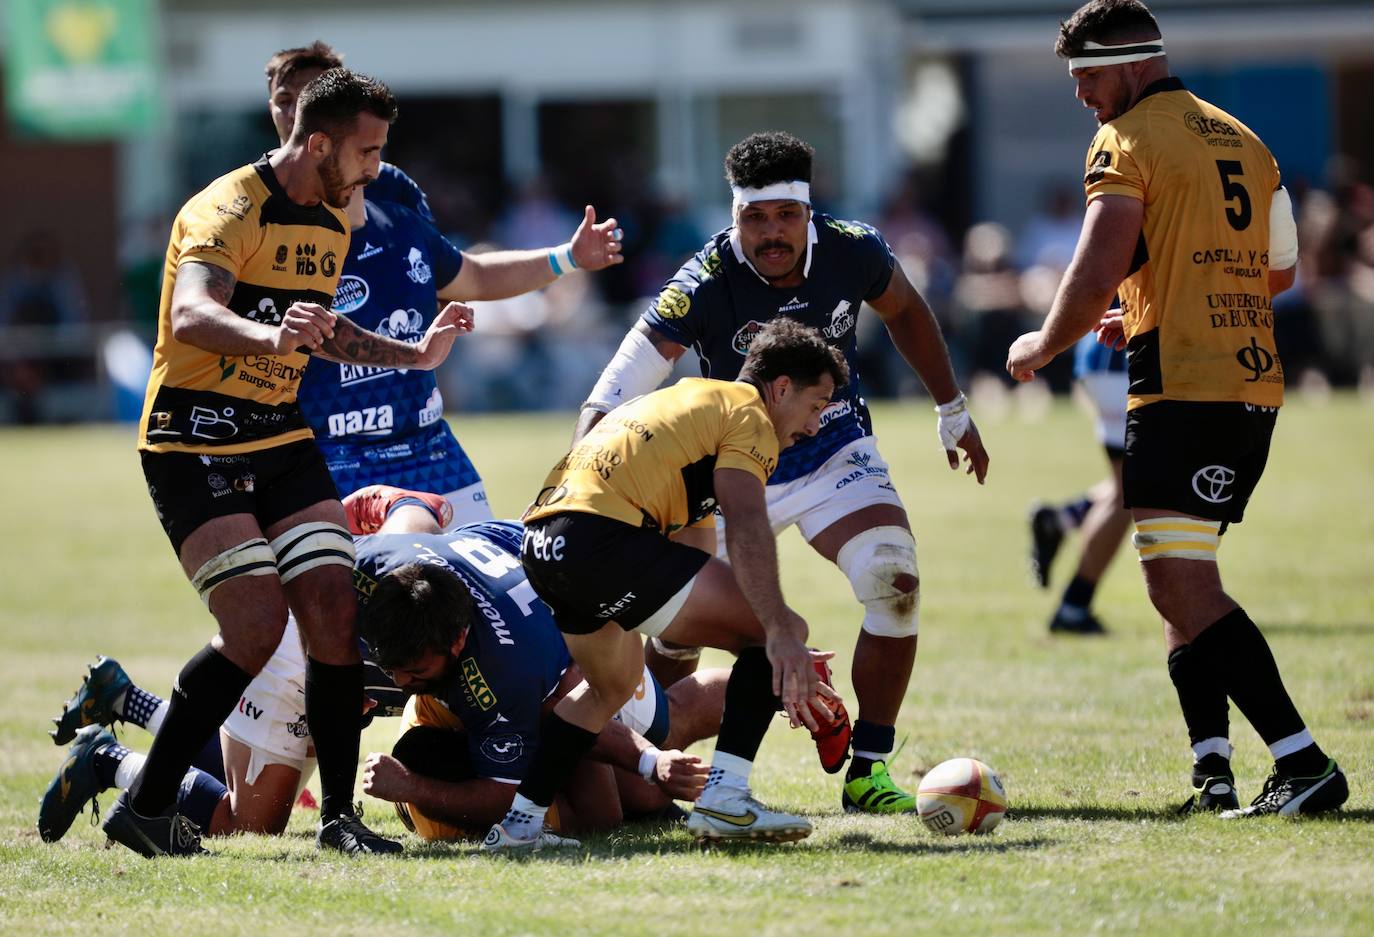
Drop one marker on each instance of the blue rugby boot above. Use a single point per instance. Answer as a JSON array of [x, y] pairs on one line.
[[94, 701], [73, 786]]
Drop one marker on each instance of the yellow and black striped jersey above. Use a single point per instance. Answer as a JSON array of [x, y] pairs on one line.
[[280, 252], [651, 462], [1196, 305]]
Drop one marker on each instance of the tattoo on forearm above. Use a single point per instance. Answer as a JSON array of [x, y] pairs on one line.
[[217, 282], [354, 345]]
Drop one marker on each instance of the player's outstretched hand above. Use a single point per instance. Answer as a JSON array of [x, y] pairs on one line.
[[1110, 331], [305, 326], [1026, 357], [794, 678], [453, 320], [385, 778], [957, 431], [679, 775], [596, 245]]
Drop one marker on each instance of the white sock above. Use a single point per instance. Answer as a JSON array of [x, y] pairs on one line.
[[155, 720], [1213, 746], [525, 817], [871, 756], [1293, 743], [728, 771], [128, 770]]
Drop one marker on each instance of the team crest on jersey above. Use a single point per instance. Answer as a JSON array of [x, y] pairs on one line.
[[673, 303], [419, 271], [841, 321], [848, 228], [746, 335], [350, 294]]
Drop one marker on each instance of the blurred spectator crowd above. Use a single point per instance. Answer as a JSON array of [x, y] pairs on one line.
[[987, 284]]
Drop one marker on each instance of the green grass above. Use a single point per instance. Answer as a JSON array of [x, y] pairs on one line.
[[1085, 733]]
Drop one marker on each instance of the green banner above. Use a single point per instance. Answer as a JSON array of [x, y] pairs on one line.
[[84, 69]]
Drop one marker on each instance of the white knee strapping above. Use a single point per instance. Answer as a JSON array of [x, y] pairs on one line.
[[310, 545], [674, 653], [873, 561], [1177, 538], [250, 558]]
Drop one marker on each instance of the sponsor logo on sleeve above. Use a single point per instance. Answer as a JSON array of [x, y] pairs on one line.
[[479, 693], [1098, 167], [673, 303]]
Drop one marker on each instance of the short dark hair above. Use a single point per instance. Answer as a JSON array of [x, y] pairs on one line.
[[286, 63], [415, 610], [762, 159], [332, 102], [1105, 21], [785, 347]]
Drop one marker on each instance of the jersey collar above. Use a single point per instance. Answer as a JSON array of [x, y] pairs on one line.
[[1169, 83], [811, 239]]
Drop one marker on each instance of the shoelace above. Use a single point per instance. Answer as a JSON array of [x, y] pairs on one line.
[[185, 834], [1274, 787]]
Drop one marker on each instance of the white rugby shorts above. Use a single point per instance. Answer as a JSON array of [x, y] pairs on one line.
[[854, 478], [1106, 393], [270, 716]]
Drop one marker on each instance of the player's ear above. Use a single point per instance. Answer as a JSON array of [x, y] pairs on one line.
[[459, 644], [319, 145]]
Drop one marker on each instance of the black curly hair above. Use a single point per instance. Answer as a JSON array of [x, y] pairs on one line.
[[1105, 21], [414, 610], [332, 102], [786, 347], [762, 159]]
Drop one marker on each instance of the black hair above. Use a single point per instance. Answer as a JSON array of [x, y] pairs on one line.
[[1105, 21], [762, 159], [415, 610], [785, 347], [332, 102], [286, 63]]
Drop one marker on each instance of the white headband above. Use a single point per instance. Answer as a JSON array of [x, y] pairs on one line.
[[796, 190], [1095, 54]]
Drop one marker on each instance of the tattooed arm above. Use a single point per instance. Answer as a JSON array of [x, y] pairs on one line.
[[201, 317], [350, 344]]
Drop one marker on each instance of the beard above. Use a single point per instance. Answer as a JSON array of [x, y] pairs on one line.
[[336, 191]]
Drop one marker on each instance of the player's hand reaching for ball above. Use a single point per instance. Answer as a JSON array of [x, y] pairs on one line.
[[596, 245], [304, 326]]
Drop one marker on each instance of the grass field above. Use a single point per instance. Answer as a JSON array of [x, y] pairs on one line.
[[1085, 733]]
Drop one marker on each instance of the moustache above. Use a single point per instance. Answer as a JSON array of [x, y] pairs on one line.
[[773, 245]]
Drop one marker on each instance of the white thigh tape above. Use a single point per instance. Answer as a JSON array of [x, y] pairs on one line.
[[250, 558], [311, 545]]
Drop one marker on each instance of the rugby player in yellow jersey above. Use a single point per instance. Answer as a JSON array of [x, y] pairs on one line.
[[234, 474], [596, 549], [1187, 223]]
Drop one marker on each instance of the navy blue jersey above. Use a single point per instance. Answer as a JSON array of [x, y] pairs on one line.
[[389, 284], [717, 303], [1092, 357], [514, 655], [392, 185]]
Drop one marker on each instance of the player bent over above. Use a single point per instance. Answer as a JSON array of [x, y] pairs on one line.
[[238, 484], [781, 258], [456, 744], [597, 551]]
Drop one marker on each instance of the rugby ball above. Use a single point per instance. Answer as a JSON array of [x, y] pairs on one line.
[[961, 795]]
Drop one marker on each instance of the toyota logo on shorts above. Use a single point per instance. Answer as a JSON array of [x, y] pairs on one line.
[[1211, 483]]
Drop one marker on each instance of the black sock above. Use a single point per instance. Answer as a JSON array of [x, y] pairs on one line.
[[333, 710], [869, 737], [204, 694], [749, 705], [1235, 649], [1079, 593], [1201, 695], [561, 747]]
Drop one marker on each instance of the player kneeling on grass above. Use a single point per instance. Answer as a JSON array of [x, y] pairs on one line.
[[596, 549], [459, 757]]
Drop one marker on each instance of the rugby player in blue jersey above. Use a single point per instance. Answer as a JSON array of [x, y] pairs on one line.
[[1099, 513], [780, 258], [488, 661]]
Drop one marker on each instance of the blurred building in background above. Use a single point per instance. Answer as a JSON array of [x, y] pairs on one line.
[[948, 123]]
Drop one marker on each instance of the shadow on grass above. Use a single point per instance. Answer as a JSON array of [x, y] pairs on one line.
[[1097, 814], [1317, 629]]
